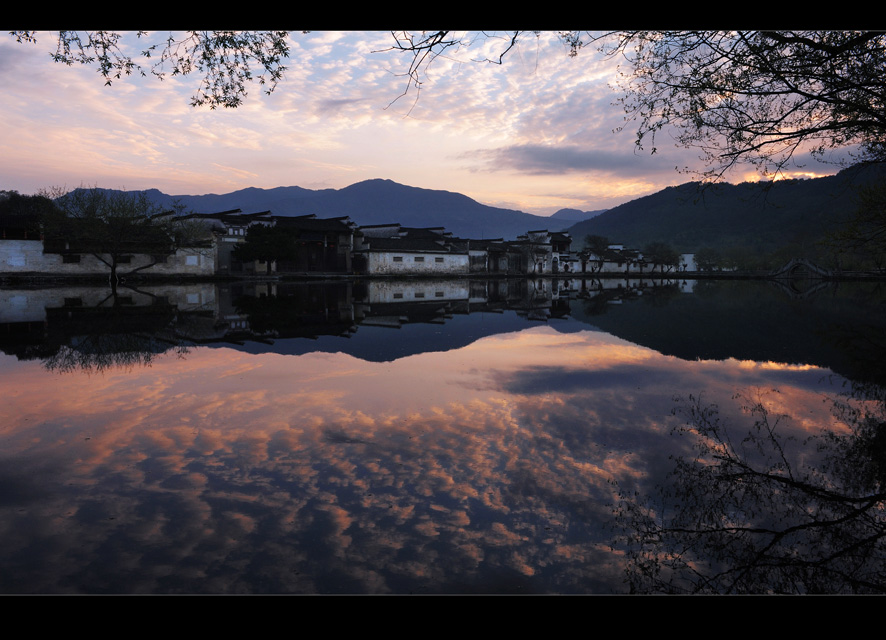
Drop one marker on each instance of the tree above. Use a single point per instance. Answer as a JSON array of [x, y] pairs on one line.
[[596, 244], [758, 96], [864, 234], [661, 254], [738, 96], [228, 60], [707, 259], [753, 511], [112, 226], [267, 244], [596, 247], [98, 338], [23, 213]]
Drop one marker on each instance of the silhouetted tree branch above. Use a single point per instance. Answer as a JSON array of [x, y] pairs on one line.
[[738, 96], [227, 60], [114, 225], [757, 512], [755, 96]]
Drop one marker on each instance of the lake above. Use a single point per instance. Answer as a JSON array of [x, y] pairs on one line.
[[430, 436]]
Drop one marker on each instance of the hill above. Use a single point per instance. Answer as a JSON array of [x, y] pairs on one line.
[[376, 202], [575, 215], [760, 217]]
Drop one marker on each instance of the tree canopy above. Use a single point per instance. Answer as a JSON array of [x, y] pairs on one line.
[[758, 96], [267, 244], [24, 212], [113, 225], [737, 96], [661, 255], [596, 244], [864, 232], [228, 60]]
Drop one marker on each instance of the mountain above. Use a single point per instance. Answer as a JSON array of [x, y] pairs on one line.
[[762, 217], [575, 215], [375, 202]]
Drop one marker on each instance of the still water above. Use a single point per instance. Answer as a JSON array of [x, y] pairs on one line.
[[388, 437]]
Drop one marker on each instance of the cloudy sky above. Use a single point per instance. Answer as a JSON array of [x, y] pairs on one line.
[[534, 134]]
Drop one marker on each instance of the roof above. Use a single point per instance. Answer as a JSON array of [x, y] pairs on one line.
[[312, 223], [407, 245]]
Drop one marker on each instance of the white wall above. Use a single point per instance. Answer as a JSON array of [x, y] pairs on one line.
[[26, 256], [387, 263]]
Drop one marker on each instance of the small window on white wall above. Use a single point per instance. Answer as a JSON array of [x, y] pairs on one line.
[[192, 261]]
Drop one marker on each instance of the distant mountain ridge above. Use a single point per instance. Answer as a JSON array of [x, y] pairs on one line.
[[372, 202], [757, 216], [576, 215]]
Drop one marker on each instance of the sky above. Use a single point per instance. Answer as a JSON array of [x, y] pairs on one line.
[[535, 134]]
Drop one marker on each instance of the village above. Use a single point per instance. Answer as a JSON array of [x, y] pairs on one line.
[[318, 246]]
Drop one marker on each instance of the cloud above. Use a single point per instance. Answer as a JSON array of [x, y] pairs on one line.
[[555, 160], [333, 105]]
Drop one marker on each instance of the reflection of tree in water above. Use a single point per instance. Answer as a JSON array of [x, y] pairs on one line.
[[760, 512], [104, 336], [98, 353]]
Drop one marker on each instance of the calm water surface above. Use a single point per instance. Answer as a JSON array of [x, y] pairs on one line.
[[437, 437]]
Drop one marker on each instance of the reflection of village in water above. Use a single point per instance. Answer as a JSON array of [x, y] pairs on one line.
[[834, 326], [35, 321]]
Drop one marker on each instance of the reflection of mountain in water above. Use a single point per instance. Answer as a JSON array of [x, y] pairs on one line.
[[841, 328]]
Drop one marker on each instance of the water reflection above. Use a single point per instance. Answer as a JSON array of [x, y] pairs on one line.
[[758, 508], [297, 455]]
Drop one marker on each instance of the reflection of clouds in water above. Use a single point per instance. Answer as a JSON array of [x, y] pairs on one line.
[[282, 479]]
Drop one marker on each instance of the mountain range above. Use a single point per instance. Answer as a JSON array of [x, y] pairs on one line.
[[376, 202], [758, 216]]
